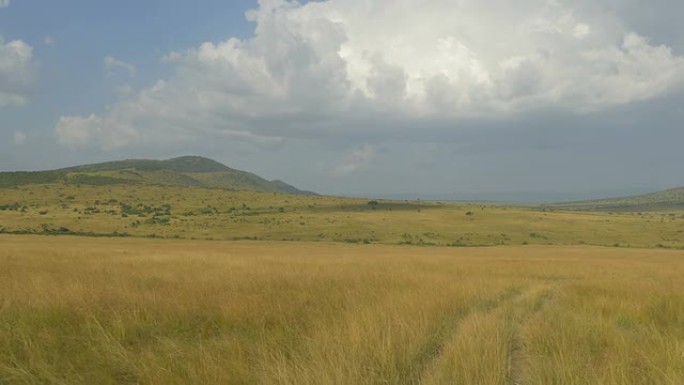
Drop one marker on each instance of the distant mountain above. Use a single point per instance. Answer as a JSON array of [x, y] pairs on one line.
[[509, 197], [189, 171], [672, 199]]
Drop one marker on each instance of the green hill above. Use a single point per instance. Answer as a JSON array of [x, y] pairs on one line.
[[667, 200], [181, 164], [187, 171]]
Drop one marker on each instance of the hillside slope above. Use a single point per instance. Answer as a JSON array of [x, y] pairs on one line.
[[672, 199], [187, 171]]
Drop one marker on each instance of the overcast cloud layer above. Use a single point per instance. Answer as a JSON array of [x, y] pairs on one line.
[[338, 67]]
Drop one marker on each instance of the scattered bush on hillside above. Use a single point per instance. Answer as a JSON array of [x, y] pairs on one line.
[[144, 210], [158, 221], [91, 210], [12, 207]]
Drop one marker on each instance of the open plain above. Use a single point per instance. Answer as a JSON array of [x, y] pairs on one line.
[[342, 192], [77, 310], [155, 211]]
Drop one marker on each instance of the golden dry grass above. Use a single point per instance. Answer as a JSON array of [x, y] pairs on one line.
[[196, 213], [127, 311]]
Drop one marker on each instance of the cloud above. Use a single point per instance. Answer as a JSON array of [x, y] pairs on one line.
[[113, 66], [19, 138], [17, 72], [356, 160], [355, 67], [49, 40], [109, 133], [124, 91], [4, 3]]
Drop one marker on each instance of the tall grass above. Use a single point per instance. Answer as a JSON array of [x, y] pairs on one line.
[[99, 311]]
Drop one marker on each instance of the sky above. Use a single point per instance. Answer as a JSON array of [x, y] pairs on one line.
[[460, 98]]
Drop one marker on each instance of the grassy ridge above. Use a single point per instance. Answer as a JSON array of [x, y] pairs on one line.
[[200, 213], [668, 200], [85, 311], [20, 178], [187, 171]]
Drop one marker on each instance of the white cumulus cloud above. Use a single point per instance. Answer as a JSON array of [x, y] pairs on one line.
[[109, 133], [17, 72], [333, 66], [113, 65]]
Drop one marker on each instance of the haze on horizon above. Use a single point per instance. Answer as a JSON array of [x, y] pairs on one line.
[[354, 97]]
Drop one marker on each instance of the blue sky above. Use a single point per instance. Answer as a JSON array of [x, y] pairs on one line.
[[72, 79], [354, 97]]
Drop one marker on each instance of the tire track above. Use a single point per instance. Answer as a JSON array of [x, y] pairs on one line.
[[487, 307], [521, 313]]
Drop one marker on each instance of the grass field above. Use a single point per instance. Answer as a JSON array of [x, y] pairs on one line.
[[79, 310], [199, 213]]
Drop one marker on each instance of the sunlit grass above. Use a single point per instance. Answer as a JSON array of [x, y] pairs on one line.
[[197, 213], [102, 311]]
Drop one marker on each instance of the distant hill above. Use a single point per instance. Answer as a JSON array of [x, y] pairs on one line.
[[672, 199], [189, 171], [181, 164]]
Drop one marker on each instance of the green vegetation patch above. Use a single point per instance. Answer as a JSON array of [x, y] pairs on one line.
[[11, 179]]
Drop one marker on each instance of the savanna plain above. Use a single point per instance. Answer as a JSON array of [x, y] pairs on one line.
[[167, 285]]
